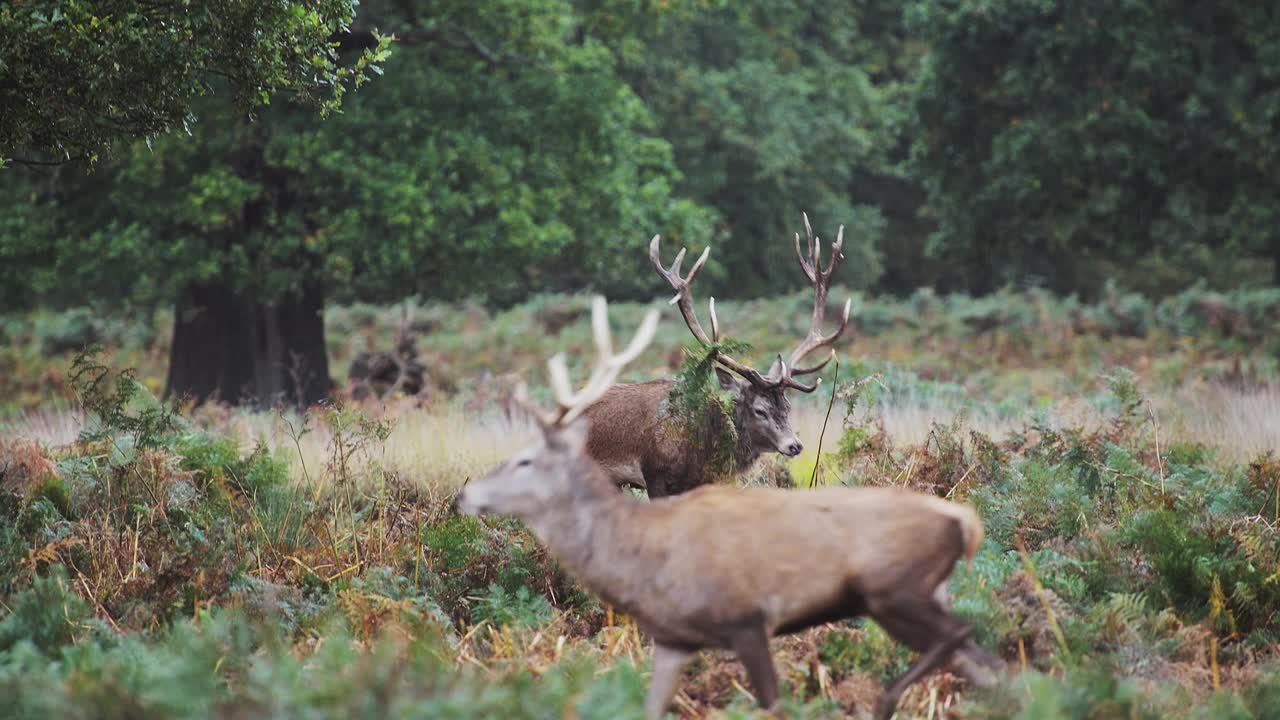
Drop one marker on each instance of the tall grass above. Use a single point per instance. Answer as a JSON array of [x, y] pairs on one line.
[[1241, 422], [442, 445]]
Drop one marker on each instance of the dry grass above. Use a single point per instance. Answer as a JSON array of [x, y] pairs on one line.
[[431, 448], [441, 447], [1241, 422], [51, 425]]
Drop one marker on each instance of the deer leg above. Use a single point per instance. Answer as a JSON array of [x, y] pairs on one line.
[[752, 648], [973, 662], [655, 485], [975, 665], [925, 664], [668, 663], [923, 626]]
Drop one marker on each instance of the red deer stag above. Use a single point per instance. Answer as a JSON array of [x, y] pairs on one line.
[[729, 567], [632, 435]]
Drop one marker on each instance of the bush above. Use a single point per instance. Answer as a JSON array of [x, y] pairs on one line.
[[521, 608], [48, 615]]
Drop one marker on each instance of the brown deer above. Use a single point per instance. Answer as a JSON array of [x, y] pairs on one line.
[[632, 434], [729, 567]]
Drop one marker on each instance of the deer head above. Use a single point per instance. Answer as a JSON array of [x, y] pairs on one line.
[[763, 410]]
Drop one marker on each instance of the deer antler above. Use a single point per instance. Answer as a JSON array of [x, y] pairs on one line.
[[821, 281], [684, 300], [608, 365]]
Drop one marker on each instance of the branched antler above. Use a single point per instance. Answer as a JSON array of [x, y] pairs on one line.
[[570, 404], [787, 370], [821, 281], [684, 300]]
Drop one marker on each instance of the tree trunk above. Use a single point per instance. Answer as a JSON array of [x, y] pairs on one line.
[[229, 348], [1275, 260]]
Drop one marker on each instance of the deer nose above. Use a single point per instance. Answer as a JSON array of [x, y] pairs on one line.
[[792, 448]]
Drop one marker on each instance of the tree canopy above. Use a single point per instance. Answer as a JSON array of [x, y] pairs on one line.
[[76, 76], [521, 146], [1069, 142]]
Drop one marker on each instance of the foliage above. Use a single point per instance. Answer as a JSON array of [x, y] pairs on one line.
[[198, 573], [1071, 143], [926, 349], [521, 608], [772, 108], [121, 407], [869, 650], [519, 162], [702, 412], [48, 615], [75, 77]]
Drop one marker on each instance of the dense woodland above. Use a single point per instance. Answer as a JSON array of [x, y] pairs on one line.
[[221, 160]]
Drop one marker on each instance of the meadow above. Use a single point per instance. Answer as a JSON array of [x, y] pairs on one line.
[[172, 561]]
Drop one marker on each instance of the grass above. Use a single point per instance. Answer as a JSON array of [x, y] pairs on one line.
[[445, 443], [257, 564]]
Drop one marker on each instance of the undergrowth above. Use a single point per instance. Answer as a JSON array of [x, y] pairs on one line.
[[154, 568], [699, 410]]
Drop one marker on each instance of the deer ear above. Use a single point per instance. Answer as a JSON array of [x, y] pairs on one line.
[[728, 381], [571, 438]]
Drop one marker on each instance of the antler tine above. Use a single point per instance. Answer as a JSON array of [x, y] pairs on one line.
[[679, 261], [684, 300], [608, 365], [715, 321], [837, 252], [684, 296], [808, 231], [600, 328], [794, 384], [816, 339], [804, 262], [820, 279], [521, 396]]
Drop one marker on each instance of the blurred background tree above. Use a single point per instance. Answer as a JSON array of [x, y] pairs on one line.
[[1072, 143], [76, 77], [521, 146]]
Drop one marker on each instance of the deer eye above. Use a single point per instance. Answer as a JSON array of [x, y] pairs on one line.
[[761, 414], [524, 463]]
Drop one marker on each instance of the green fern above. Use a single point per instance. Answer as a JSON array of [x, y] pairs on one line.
[[700, 411]]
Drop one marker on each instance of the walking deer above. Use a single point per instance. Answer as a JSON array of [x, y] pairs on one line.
[[632, 436], [728, 567]]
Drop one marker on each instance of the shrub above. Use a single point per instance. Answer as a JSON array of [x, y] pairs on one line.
[[520, 608], [48, 615]]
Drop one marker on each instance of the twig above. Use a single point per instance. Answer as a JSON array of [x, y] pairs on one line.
[[92, 598], [136, 531], [1155, 434], [959, 482], [906, 474], [817, 460]]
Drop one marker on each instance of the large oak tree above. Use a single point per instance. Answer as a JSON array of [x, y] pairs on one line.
[[499, 155]]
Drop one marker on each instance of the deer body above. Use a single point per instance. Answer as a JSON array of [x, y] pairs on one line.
[[694, 570], [726, 567], [637, 445]]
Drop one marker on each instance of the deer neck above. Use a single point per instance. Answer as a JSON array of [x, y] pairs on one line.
[[745, 452], [595, 533]]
